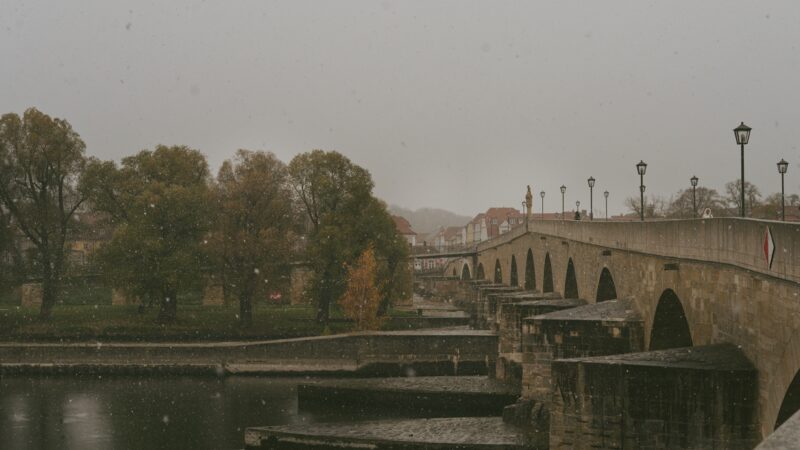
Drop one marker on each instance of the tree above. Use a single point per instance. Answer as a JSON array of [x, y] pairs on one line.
[[681, 204], [158, 201], [12, 265], [252, 238], [343, 218], [361, 300], [653, 206], [770, 208], [41, 161], [733, 192]]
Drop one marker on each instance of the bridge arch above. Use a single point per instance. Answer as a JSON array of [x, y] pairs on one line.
[[514, 280], [465, 272], [530, 272], [547, 279], [670, 327], [791, 401], [480, 273], [784, 385], [606, 289], [498, 272], [570, 281]]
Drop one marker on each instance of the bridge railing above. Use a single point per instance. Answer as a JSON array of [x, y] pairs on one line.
[[735, 241]]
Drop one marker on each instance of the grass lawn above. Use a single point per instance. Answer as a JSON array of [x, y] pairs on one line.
[[195, 322]]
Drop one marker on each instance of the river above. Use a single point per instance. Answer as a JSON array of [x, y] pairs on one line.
[[122, 413]]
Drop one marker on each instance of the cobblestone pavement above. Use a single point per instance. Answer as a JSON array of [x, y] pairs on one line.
[[449, 384], [464, 432]]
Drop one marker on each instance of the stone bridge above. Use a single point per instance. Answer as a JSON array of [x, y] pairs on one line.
[[693, 282]]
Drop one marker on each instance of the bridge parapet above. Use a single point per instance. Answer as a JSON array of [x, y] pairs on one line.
[[734, 241]]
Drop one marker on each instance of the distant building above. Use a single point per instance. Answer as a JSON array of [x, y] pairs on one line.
[[495, 217], [404, 228]]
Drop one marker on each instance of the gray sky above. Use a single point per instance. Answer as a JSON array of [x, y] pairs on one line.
[[450, 104]]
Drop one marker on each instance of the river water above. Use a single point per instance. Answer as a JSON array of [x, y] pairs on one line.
[[144, 412]]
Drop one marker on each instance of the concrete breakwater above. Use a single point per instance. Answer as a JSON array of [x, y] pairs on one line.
[[442, 396], [436, 352]]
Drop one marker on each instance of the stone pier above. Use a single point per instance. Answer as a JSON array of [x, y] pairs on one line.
[[605, 328], [688, 398], [509, 327]]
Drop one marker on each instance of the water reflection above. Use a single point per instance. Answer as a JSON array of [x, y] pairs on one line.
[[136, 413]]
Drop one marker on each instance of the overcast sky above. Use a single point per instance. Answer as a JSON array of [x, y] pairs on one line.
[[449, 104]]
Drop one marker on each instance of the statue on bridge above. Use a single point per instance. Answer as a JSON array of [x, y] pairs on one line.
[[529, 201]]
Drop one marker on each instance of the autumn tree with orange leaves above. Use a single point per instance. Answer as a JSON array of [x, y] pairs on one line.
[[362, 298]]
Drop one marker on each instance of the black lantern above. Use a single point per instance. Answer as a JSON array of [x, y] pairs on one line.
[[641, 168], [563, 190], [591, 197], [605, 194], [742, 133], [694, 180], [541, 194], [783, 166]]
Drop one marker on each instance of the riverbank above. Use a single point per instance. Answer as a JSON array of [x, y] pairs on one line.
[[75, 323]]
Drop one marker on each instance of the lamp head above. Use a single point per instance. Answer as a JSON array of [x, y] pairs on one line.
[[641, 168], [783, 166], [742, 133]]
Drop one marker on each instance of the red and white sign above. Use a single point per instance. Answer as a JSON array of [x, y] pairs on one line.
[[768, 247]]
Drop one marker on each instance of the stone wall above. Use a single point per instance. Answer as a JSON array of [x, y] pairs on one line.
[[671, 399], [459, 351], [31, 295], [213, 294]]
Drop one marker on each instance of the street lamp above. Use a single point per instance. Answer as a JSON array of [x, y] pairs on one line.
[[591, 198], [742, 133], [541, 194], [577, 209], [783, 166], [605, 194], [694, 180], [563, 190], [641, 168]]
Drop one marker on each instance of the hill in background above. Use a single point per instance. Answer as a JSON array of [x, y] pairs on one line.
[[427, 220]]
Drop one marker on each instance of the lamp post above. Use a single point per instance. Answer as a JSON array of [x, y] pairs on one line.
[[641, 168], [541, 194], [694, 180], [605, 194], [563, 190], [591, 197], [783, 166], [742, 133], [577, 209]]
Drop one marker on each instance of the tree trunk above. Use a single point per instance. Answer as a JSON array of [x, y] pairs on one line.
[[49, 297], [49, 289], [168, 312], [324, 308], [245, 309]]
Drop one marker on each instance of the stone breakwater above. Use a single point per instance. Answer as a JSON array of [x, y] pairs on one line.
[[436, 352]]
